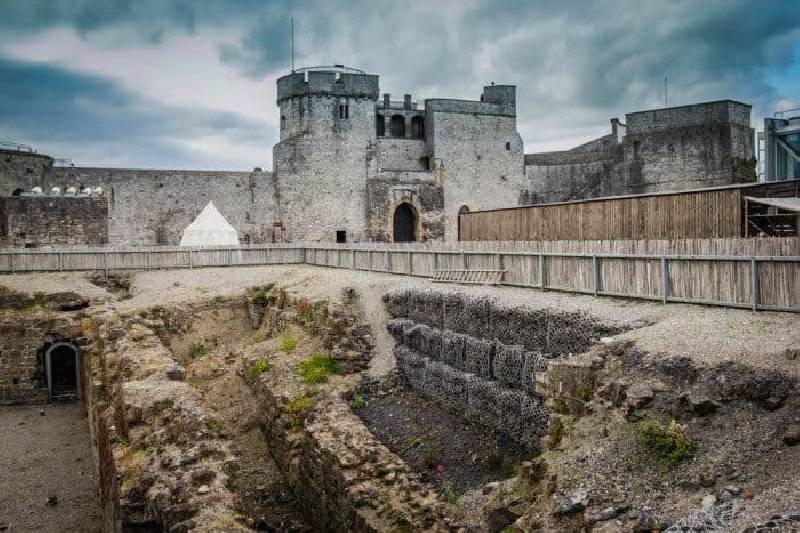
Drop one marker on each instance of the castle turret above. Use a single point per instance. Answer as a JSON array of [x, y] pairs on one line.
[[327, 123]]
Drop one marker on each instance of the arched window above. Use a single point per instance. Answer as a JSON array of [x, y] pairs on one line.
[[380, 125], [397, 126], [405, 223], [418, 127]]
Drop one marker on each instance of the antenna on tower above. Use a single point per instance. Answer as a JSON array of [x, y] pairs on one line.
[[293, 45], [666, 100]]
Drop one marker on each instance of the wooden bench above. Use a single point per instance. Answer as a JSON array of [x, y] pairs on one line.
[[480, 277]]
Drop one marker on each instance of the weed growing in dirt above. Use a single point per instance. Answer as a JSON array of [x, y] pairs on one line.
[[510, 529], [259, 367], [298, 408], [196, 349], [142, 313], [508, 467], [555, 432], [411, 442], [317, 369], [358, 401], [560, 407], [664, 443], [259, 297], [288, 341], [585, 391], [202, 290], [211, 425], [38, 298], [257, 338], [448, 494]]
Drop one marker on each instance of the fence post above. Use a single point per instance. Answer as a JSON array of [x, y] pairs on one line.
[[11, 261], [596, 272], [61, 262], [664, 279], [499, 261], [353, 258], [463, 261], [410, 263], [435, 261], [369, 260], [339, 258], [754, 288], [387, 261], [542, 272], [105, 262]]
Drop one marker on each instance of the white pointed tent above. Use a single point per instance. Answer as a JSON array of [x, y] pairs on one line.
[[210, 229]]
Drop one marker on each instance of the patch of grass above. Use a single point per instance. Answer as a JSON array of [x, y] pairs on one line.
[[431, 456], [358, 401], [298, 408], [510, 529], [259, 367], [288, 341], [448, 494], [560, 407], [38, 298], [211, 425], [664, 443], [259, 297], [196, 349], [508, 467], [317, 369], [585, 392], [202, 290], [256, 338], [411, 442], [142, 313]]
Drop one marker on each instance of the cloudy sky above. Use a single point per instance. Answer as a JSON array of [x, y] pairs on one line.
[[191, 83]]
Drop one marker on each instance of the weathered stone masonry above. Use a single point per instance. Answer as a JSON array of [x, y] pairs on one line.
[[482, 359], [32, 220], [686, 147]]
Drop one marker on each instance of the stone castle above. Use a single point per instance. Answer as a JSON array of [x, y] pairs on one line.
[[354, 165]]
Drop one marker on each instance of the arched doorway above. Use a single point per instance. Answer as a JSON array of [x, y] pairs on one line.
[[461, 210], [405, 223], [63, 371]]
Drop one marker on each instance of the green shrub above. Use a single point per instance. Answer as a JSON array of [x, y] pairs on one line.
[[259, 367], [555, 432], [142, 313], [259, 297], [358, 401], [448, 494], [664, 443], [288, 341], [317, 369], [298, 408], [196, 349]]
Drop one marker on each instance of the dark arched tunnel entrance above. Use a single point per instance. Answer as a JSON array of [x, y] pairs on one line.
[[405, 223], [63, 371]]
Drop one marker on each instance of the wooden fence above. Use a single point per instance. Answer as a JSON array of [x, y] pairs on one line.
[[759, 274]]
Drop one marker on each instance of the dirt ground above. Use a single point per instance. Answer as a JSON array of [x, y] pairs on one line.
[[427, 435], [43, 456], [706, 334]]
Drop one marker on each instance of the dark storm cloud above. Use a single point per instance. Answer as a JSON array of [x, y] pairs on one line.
[[576, 64], [48, 105]]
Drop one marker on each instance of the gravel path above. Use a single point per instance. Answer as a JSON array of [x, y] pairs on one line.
[[42, 456], [708, 334]]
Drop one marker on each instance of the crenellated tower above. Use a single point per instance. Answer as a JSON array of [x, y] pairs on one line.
[[327, 125]]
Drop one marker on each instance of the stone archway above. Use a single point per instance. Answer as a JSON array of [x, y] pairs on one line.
[[405, 223], [461, 211], [62, 366]]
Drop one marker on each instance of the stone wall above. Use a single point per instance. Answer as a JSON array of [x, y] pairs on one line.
[[23, 342], [154, 206], [42, 220], [479, 153], [418, 189], [22, 170], [482, 359], [403, 154], [687, 147]]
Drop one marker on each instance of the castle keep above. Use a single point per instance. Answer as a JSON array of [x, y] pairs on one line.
[[353, 164]]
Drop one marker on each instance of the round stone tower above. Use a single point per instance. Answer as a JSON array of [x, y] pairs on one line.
[[327, 132]]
